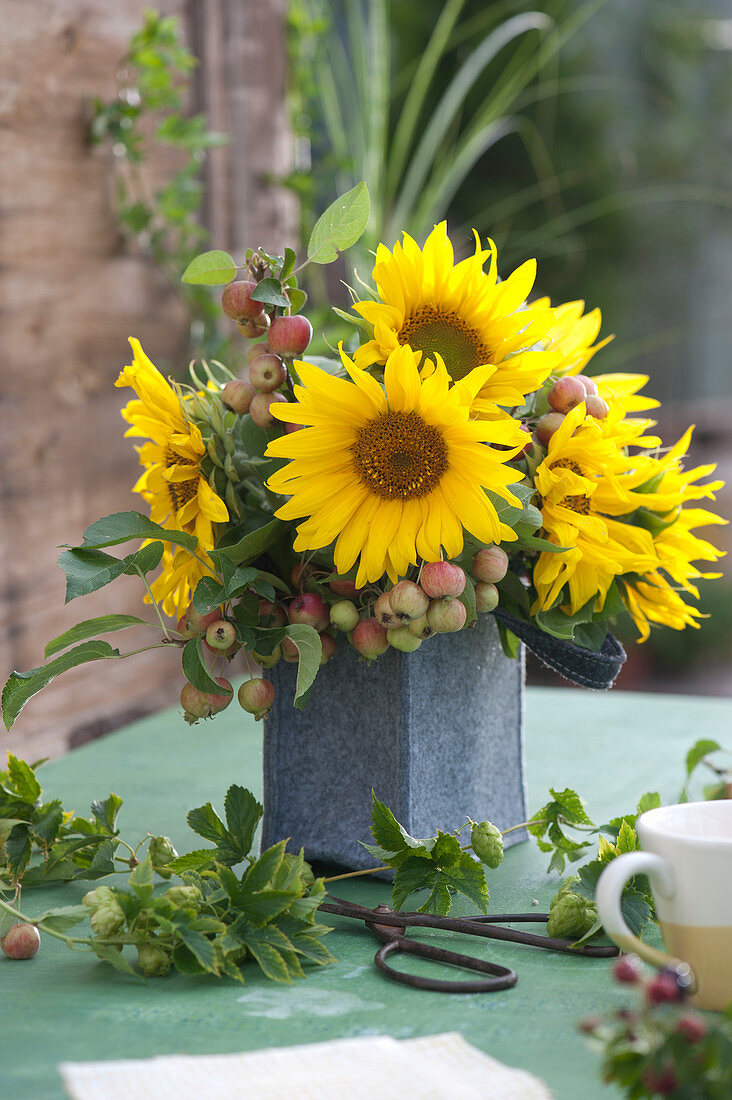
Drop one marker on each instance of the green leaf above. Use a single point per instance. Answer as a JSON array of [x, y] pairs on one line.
[[23, 779], [467, 597], [385, 829], [635, 910], [195, 670], [60, 920], [106, 812], [200, 947], [697, 753], [206, 822], [268, 958], [111, 955], [141, 879], [263, 870], [125, 526], [17, 849], [46, 826], [88, 570], [310, 649], [192, 861], [627, 840], [288, 263], [270, 293], [210, 269], [90, 628], [419, 874], [297, 298], [340, 225], [651, 800], [22, 686], [468, 878], [251, 546], [243, 813], [209, 595]]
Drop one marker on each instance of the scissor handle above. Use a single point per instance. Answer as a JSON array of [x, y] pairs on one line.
[[503, 977]]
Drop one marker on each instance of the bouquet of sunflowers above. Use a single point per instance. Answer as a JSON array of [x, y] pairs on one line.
[[454, 460]]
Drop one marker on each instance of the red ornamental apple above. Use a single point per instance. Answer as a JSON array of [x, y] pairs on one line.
[[267, 373], [272, 613], [442, 578], [21, 942], [597, 406], [486, 597], [402, 638], [193, 623], [311, 610], [256, 350], [383, 612], [221, 635], [290, 336], [589, 383], [237, 303], [369, 639], [237, 395], [330, 645], [344, 615], [256, 697], [260, 406], [408, 601], [490, 564], [566, 393], [547, 426], [252, 329], [445, 616], [216, 702], [290, 652], [343, 586]]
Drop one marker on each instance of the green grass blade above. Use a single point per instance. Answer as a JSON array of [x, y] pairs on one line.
[[451, 102]]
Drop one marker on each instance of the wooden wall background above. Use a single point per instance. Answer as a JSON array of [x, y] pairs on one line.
[[71, 292]]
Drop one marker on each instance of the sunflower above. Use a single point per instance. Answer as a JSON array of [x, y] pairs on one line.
[[461, 313], [179, 496], [581, 488], [395, 472], [570, 334], [656, 596]]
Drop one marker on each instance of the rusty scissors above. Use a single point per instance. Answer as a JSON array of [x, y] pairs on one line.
[[390, 926]]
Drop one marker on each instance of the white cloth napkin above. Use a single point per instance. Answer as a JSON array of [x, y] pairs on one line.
[[436, 1067]]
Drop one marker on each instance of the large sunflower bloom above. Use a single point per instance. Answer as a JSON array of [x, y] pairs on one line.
[[570, 335], [392, 472], [656, 597], [179, 496], [581, 488], [461, 313]]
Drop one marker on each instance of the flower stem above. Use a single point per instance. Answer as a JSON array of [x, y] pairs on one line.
[[355, 874]]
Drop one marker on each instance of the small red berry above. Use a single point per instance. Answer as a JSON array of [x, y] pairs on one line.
[[237, 395], [408, 601], [589, 383], [490, 564], [256, 696], [662, 1081], [311, 610], [691, 1027], [547, 426], [445, 616], [596, 406], [369, 639], [267, 373], [628, 969], [221, 635], [566, 393]]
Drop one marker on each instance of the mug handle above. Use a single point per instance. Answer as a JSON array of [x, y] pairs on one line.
[[607, 898]]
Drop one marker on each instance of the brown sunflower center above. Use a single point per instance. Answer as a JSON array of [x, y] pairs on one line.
[[180, 491], [432, 330], [398, 456], [578, 502]]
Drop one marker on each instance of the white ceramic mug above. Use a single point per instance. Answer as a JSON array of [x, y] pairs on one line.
[[687, 856]]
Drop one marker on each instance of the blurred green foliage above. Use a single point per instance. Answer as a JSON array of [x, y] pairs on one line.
[[150, 107]]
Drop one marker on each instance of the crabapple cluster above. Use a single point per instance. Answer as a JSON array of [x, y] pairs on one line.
[[565, 395], [286, 337]]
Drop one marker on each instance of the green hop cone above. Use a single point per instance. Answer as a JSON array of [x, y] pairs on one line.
[[570, 916], [161, 852], [185, 896], [107, 919], [487, 843], [103, 895], [153, 960]]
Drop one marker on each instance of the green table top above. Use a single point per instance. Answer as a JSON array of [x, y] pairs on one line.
[[64, 1006]]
